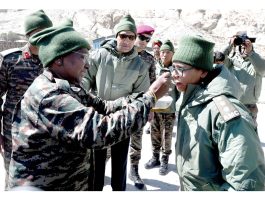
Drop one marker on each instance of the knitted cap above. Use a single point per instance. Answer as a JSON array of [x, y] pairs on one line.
[[126, 23], [195, 51], [167, 45], [36, 20], [54, 42], [145, 29]]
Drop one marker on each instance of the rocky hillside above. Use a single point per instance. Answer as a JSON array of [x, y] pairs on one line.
[[216, 25]]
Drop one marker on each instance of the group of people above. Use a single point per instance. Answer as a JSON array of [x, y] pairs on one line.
[[65, 107]]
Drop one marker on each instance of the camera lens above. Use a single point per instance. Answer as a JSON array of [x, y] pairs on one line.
[[238, 41]]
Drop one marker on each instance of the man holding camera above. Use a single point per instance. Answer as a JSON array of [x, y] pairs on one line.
[[248, 67]]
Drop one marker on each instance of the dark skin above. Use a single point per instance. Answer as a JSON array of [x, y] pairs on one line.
[[71, 67]]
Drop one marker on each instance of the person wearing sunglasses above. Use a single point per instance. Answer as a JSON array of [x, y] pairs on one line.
[[163, 121], [144, 34], [116, 70], [217, 145]]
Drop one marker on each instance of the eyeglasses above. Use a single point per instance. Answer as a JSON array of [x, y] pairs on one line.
[[144, 38], [83, 55], [180, 70], [124, 36]]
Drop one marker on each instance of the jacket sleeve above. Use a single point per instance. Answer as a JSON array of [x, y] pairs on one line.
[[258, 63], [68, 120], [226, 51], [89, 80], [241, 156]]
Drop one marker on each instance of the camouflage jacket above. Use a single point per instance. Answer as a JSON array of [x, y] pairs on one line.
[[53, 133], [149, 59], [18, 69]]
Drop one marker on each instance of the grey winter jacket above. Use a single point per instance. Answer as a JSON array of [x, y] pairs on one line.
[[114, 75], [216, 148], [249, 71]]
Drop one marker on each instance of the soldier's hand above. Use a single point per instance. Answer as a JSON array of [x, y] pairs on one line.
[[161, 85]]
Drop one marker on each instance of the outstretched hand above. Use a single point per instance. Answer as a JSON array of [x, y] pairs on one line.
[[161, 85]]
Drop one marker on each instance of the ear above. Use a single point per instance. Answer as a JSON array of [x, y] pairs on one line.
[[58, 62], [204, 73]]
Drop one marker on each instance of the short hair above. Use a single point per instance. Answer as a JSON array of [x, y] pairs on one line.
[[218, 56]]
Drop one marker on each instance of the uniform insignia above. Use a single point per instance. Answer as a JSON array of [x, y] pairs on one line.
[[227, 110]]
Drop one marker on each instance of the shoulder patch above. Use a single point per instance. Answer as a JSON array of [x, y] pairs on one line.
[[10, 51], [227, 110]]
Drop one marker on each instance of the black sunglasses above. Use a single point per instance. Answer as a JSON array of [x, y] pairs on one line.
[[144, 38], [124, 36]]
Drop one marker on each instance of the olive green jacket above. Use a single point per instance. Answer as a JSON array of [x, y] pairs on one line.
[[114, 75], [217, 145], [249, 71]]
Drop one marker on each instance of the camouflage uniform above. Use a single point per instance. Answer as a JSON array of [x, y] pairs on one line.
[[163, 122], [136, 138], [18, 69], [53, 133]]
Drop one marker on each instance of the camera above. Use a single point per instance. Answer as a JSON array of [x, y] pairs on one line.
[[239, 40]]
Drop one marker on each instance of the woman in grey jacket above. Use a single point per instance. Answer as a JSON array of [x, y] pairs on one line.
[[217, 145]]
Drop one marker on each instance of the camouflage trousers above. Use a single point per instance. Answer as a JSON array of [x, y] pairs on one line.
[[7, 155], [136, 147], [253, 108], [161, 132]]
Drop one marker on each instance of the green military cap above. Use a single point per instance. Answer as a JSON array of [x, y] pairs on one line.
[[195, 51], [36, 20], [57, 41], [126, 23], [167, 45]]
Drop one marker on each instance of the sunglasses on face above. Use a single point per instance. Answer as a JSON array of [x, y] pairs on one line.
[[124, 36], [144, 38]]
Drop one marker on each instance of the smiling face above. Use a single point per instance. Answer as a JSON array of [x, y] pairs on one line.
[[184, 74], [72, 67]]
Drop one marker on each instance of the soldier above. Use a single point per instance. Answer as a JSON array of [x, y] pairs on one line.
[[18, 69], [217, 145], [116, 70], [53, 131], [163, 122], [144, 34], [156, 49], [248, 67]]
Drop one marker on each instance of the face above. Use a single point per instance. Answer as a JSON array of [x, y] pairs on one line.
[[156, 50], [184, 74], [125, 41], [74, 66], [142, 41], [166, 57]]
